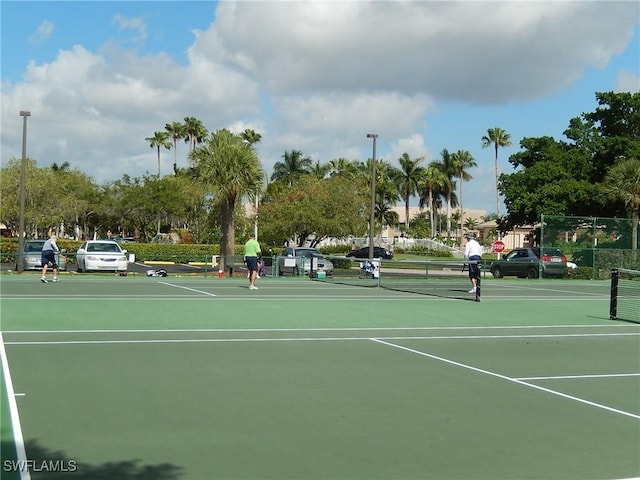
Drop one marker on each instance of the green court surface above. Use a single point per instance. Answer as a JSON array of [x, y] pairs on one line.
[[201, 378]]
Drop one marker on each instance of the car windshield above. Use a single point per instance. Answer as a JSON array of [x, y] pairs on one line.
[[308, 252], [103, 247], [33, 246]]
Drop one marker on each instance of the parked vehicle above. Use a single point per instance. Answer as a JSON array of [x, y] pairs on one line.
[[32, 256], [101, 255], [529, 263], [297, 261], [378, 252]]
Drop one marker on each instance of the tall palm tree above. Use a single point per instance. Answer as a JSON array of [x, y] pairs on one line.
[[251, 136], [408, 181], [461, 161], [194, 132], [230, 168], [623, 182], [432, 180], [498, 138], [159, 139], [176, 131], [293, 166], [445, 164]]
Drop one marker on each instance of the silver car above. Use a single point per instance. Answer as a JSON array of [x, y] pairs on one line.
[[298, 261], [32, 256]]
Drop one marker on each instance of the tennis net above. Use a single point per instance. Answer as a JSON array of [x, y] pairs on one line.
[[625, 295], [441, 278]]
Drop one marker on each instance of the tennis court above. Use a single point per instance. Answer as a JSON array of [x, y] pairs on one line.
[[200, 378]]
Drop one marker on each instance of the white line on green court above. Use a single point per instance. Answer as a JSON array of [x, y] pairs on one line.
[[568, 377], [13, 412], [188, 288], [308, 339], [509, 379], [326, 329]]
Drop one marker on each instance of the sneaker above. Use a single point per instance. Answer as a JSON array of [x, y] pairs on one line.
[[473, 290], [55, 279], [253, 287], [43, 279]]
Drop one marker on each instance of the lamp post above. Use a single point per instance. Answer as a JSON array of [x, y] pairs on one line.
[[20, 261], [372, 217]]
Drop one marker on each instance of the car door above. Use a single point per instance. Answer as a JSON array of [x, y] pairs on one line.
[[517, 262]]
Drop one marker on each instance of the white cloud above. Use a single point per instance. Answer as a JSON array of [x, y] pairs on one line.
[[43, 32], [628, 81]]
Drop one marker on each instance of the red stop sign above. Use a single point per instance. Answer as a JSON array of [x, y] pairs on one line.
[[498, 246]]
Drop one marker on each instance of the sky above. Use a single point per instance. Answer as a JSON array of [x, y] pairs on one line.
[[314, 76]]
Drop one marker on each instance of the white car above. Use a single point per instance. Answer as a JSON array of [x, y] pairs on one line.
[[101, 255]]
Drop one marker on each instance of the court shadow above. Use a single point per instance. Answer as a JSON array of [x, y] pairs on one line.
[[47, 464]]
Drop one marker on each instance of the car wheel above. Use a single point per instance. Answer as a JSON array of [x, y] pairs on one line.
[[496, 272], [532, 272]]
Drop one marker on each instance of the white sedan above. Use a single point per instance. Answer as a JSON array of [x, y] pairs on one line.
[[101, 255]]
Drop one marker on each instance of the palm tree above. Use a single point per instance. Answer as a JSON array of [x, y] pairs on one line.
[[408, 181], [175, 130], [432, 180], [498, 138], [293, 166], [159, 139], [194, 132], [320, 171], [623, 182], [345, 168], [461, 160], [251, 136], [230, 167], [446, 166]]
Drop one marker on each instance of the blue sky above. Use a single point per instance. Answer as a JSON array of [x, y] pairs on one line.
[[312, 76]]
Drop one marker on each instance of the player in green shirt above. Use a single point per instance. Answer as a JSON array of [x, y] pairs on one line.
[[251, 254]]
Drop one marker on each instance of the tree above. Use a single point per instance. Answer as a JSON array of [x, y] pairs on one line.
[[461, 161], [159, 139], [432, 181], [446, 166], [623, 183], [176, 131], [194, 132], [312, 209], [498, 138], [229, 166], [293, 167], [408, 181]]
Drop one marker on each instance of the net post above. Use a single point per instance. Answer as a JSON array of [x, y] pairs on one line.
[[478, 281], [613, 303]]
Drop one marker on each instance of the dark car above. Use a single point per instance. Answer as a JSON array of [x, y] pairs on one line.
[[378, 252], [529, 263]]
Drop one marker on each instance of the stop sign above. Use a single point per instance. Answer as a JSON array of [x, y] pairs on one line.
[[498, 246]]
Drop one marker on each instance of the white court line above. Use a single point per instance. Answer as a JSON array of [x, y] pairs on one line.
[[327, 329], [509, 379], [187, 288], [13, 411], [564, 377], [304, 339]]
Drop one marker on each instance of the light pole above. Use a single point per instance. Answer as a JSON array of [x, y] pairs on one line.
[[372, 217], [24, 114]]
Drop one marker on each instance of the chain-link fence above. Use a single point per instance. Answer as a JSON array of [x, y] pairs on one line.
[[594, 244]]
